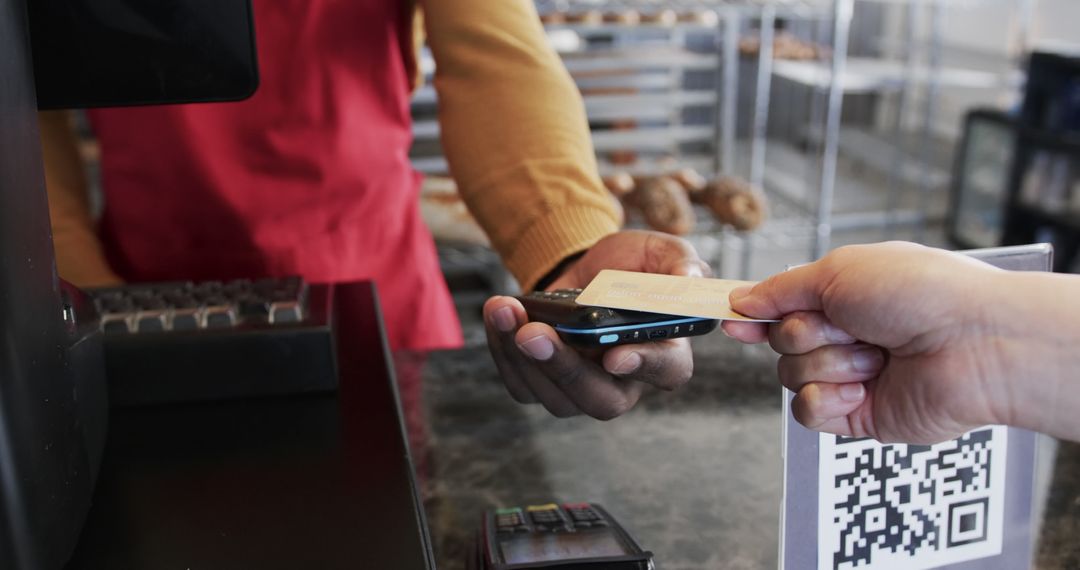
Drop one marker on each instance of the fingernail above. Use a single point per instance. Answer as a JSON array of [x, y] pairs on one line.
[[853, 392], [737, 298], [867, 359], [694, 270], [538, 347], [628, 364], [504, 319], [835, 335]]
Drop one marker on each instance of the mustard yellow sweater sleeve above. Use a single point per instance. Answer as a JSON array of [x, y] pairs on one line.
[[515, 134], [79, 256]]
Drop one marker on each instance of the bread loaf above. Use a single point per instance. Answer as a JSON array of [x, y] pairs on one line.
[[553, 18], [703, 17], [691, 181], [622, 157], [735, 202], [624, 17], [785, 46], [619, 184], [664, 205], [588, 17], [665, 17]]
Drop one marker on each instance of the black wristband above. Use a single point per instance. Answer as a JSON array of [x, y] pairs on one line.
[[557, 272]]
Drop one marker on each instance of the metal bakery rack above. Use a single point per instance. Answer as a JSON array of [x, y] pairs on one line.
[[669, 82]]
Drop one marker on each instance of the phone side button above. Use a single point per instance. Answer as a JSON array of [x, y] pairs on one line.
[[609, 338]]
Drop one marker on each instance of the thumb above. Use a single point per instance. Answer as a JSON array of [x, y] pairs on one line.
[[799, 289], [670, 255], [691, 268]]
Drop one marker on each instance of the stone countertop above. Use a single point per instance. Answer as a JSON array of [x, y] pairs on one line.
[[695, 474]]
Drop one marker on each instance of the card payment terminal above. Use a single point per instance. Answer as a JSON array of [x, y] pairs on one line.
[[576, 536]]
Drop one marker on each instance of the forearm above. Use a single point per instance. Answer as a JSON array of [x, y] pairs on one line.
[[1037, 322], [515, 134], [79, 256]]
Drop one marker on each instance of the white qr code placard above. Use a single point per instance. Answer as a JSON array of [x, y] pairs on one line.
[[910, 506]]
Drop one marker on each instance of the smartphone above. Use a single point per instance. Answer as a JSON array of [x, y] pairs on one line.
[[583, 326]]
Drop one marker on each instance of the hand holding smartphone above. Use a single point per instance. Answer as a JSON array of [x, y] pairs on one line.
[[584, 326]]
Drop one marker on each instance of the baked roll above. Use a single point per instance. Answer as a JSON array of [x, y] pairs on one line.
[[589, 17], [664, 205], [619, 184], [734, 202]]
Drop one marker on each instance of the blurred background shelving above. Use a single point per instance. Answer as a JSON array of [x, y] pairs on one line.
[[846, 113]]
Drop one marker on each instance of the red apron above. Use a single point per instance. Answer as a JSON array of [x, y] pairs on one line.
[[310, 176]]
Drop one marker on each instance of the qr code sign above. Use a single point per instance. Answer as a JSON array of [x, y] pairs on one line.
[[910, 506]]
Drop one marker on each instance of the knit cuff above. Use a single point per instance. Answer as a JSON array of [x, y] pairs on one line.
[[554, 236]]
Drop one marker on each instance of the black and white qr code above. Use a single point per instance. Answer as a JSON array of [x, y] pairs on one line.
[[910, 506]]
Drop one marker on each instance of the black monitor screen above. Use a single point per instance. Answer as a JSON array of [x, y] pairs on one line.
[[100, 53]]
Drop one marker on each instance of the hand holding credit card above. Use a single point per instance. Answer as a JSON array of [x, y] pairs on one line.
[[668, 294]]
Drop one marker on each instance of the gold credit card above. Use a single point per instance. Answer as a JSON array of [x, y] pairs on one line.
[[668, 294]]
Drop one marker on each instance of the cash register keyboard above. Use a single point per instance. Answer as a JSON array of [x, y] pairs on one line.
[[188, 306], [195, 341]]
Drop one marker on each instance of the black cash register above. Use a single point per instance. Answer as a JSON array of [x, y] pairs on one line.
[[294, 482], [212, 340]]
